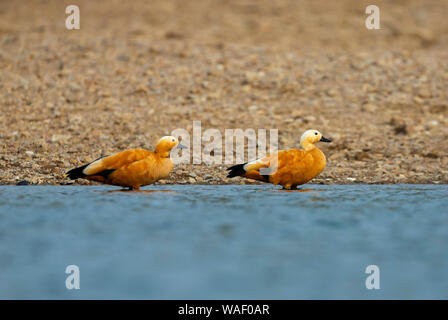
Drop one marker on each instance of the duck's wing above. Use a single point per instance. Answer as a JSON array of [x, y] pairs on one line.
[[106, 165], [261, 169], [242, 169], [292, 160]]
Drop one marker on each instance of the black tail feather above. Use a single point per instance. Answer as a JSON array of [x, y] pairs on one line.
[[76, 173], [236, 171]]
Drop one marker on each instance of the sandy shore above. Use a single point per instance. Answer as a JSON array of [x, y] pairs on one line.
[[136, 71]]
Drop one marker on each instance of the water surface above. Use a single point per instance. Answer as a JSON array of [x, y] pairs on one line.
[[229, 242]]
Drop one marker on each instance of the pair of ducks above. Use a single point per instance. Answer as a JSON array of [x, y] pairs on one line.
[[138, 167]]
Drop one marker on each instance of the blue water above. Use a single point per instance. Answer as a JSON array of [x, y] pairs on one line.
[[229, 242]]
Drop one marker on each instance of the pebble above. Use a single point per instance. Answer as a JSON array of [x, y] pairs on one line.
[[192, 180]]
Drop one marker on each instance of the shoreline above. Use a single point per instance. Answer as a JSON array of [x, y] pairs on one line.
[[236, 184]]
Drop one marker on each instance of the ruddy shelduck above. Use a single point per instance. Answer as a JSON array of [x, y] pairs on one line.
[[132, 168], [290, 168]]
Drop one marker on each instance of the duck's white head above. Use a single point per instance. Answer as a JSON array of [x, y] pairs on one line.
[[165, 144], [310, 137]]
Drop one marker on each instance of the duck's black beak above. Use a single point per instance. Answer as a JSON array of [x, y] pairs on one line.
[[181, 146], [323, 139]]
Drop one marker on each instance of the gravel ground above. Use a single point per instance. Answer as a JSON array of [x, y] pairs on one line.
[[135, 71]]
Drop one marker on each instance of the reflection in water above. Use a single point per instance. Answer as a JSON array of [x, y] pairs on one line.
[[303, 190], [299, 190], [136, 191]]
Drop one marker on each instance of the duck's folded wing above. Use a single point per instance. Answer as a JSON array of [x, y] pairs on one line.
[[252, 166], [256, 168], [278, 159], [269, 168], [257, 165], [293, 160], [115, 161]]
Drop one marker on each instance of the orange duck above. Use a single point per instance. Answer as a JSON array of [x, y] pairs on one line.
[[293, 167], [131, 168]]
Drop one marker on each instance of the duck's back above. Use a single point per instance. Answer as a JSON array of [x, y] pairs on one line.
[[130, 168], [116, 161]]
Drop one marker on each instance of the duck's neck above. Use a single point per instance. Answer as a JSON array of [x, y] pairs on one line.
[[163, 154], [308, 146]]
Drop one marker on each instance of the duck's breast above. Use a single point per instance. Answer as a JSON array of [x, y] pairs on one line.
[[163, 169], [155, 169], [319, 161], [299, 166]]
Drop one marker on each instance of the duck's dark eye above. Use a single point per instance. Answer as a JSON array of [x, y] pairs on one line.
[[173, 139], [315, 133]]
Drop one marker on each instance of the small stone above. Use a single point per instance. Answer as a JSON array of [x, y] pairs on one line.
[[123, 58], [309, 119], [360, 156], [174, 35], [369, 107], [418, 100], [432, 155], [141, 88], [433, 124]]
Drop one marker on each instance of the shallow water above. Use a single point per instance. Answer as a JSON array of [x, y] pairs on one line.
[[236, 242]]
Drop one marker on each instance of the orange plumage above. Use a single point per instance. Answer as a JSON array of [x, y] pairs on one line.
[[131, 168], [290, 168]]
